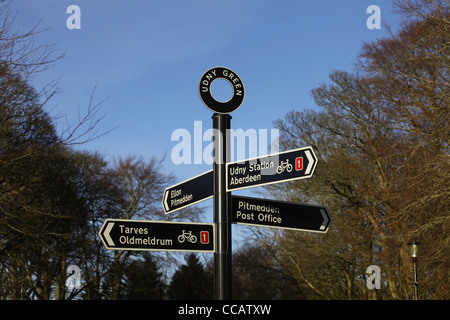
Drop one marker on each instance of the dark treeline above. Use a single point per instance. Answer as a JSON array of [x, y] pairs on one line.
[[54, 198], [382, 138], [381, 134]]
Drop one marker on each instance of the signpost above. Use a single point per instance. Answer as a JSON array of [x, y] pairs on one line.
[[273, 168], [117, 234], [143, 235], [279, 214], [188, 192]]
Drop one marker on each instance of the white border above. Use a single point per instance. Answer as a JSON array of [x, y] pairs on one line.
[[285, 228]]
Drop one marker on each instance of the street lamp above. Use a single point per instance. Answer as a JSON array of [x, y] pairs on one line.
[[413, 252]]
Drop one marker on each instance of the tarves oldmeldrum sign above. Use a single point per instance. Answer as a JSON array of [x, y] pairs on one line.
[[205, 90]]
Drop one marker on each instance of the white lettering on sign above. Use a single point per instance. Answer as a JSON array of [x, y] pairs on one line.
[[145, 241], [245, 216], [177, 199], [268, 218], [131, 230], [230, 76], [129, 237], [298, 163], [260, 166], [246, 179], [264, 212], [259, 208], [180, 201], [204, 237], [238, 170], [212, 75]]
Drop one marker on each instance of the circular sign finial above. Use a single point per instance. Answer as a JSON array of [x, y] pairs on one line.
[[205, 90]]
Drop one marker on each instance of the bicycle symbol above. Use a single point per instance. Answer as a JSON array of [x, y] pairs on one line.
[[187, 236], [284, 165]]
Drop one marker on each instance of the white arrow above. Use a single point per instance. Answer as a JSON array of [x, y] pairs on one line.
[[165, 204], [325, 219], [310, 161], [107, 236]]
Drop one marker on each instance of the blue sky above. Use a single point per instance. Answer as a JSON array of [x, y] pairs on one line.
[[147, 58]]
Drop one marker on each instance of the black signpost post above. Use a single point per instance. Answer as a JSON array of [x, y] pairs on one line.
[[222, 258], [221, 198]]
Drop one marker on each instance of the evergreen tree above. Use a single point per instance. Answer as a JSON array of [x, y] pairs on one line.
[[143, 281], [191, 281]]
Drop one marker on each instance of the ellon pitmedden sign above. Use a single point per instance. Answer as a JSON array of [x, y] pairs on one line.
[[205, 90], [189, 192]]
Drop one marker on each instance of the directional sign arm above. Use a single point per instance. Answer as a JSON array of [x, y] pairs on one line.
[[188, 192], [143, 235], [279, 214], [273, 168]]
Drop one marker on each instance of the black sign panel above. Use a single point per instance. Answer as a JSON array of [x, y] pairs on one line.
[[279, 214], [188, 192], [143, 235], [274, 168], [205, 90]]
